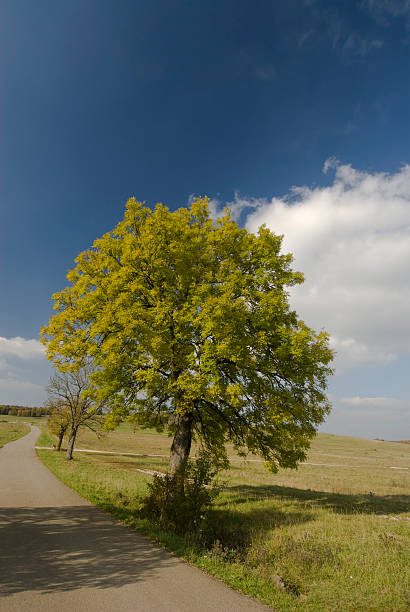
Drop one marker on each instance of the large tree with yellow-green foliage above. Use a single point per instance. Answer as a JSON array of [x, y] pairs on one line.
[[188, 323]]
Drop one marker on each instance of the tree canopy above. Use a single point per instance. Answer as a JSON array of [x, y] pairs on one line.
[[188, 324]]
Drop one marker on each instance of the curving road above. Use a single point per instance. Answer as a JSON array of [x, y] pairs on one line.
[[59, 552]]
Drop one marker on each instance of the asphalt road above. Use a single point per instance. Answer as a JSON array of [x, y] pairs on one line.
[[59, 552]]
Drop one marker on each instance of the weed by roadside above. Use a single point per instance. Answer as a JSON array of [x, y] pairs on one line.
[[181, 503]]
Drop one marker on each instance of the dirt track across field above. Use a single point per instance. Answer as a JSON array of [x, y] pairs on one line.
[[59, 552]]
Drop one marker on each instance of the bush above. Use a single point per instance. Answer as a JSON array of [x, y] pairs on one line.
[[180, 502]]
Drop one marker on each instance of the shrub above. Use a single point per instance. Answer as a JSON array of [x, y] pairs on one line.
[[180, 502]]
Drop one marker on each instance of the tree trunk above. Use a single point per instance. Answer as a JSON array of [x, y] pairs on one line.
[[60, 440], [70, 447], [181, 444]]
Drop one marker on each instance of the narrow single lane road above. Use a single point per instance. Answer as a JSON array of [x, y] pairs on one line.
[[59, 552]]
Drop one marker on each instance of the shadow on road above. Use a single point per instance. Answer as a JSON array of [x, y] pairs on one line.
[[60, 549]]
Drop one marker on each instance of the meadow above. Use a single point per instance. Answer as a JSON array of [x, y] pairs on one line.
[[332, 535]]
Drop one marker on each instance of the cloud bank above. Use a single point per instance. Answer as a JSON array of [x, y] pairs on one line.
[[19, 347], [351, 239], [24, 371], [370, 417]]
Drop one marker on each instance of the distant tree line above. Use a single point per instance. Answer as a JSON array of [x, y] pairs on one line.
[[24, 411]]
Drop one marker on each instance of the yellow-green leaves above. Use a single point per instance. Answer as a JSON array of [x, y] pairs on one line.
[[184, 314]]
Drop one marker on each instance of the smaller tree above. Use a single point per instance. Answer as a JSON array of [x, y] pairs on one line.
[[69, 389], [59, 422]]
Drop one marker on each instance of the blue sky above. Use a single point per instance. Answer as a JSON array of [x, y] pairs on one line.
[[296, 113]]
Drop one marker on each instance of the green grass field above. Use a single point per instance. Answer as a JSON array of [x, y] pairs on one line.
[[11, 431], [336, 531]]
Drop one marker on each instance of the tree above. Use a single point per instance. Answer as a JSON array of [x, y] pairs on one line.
[[67, 392], [188, 323], [59, 422]]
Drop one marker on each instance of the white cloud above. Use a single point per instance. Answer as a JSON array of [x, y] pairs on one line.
[[19, 347], [265, 72], [351, 239], [384, 12], [370, 417], [21, 392], [385, 405], [353, 353], [394, 8], [358, 45], [304, 37], [24, 371]]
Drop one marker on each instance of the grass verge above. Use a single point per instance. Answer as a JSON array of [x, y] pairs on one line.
[[12, 431]]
